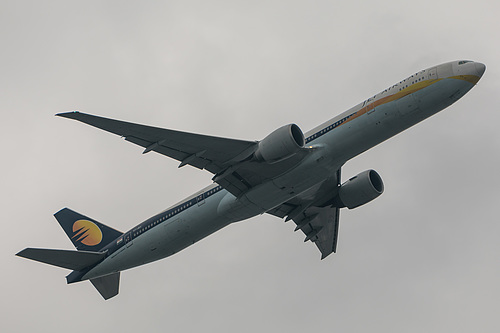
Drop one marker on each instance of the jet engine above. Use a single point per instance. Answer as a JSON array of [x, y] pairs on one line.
[[280, 144], [361, 189]]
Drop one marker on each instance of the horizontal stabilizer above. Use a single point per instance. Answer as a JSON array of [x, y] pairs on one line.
[[108, 286], [75, 260]]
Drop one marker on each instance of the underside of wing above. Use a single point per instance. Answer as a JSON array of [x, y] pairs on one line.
[[315, 215], [201, 151], [231, 161]]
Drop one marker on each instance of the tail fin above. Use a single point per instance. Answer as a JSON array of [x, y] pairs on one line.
[[85, 233]]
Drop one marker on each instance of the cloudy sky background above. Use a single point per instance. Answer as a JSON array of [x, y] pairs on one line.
[[422, 257]]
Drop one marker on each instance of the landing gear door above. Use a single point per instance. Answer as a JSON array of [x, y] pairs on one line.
[[433, 74]]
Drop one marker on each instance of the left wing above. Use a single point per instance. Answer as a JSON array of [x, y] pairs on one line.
[[315, 215]]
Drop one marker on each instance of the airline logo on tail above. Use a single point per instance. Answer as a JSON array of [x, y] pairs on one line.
[[86, 232]]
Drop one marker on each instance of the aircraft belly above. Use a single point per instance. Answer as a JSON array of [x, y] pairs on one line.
[[314, 169], [165, 239], [237, 209]]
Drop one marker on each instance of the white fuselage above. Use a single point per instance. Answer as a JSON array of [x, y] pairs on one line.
[[332, 144]]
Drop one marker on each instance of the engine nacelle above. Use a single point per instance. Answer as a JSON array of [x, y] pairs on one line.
[[361, 189], [280, 144]]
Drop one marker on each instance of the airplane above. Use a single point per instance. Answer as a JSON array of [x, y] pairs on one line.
[[287, 174]]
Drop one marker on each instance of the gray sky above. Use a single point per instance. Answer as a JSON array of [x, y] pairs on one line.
[[422, 257]]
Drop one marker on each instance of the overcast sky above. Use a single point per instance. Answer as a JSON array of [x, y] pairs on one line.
[[424, 257]]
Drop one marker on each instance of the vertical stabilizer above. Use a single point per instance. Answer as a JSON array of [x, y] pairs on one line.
[[86, 234]]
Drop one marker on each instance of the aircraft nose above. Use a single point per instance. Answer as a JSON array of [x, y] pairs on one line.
[[480, 68]]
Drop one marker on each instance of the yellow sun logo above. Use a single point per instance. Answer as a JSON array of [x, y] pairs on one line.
[[87, 232]]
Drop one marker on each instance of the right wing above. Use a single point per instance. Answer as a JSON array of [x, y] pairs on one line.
[[201, 151], [229, 159]]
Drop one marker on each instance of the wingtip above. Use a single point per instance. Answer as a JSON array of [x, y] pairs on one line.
[[69, 114], [20, 253]]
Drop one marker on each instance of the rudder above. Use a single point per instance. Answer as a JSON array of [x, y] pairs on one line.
[[85, 233]]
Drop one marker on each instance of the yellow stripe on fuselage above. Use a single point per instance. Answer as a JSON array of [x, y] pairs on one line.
[[391, 98], [473, 79], [469, 78]]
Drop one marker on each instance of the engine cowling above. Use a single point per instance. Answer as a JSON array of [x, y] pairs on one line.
[[361, 189], [280, 144]]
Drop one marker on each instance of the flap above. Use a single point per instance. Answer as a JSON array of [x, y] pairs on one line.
[[314, 214]]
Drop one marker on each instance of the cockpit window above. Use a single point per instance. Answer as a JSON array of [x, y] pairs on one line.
[[463, 62]]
